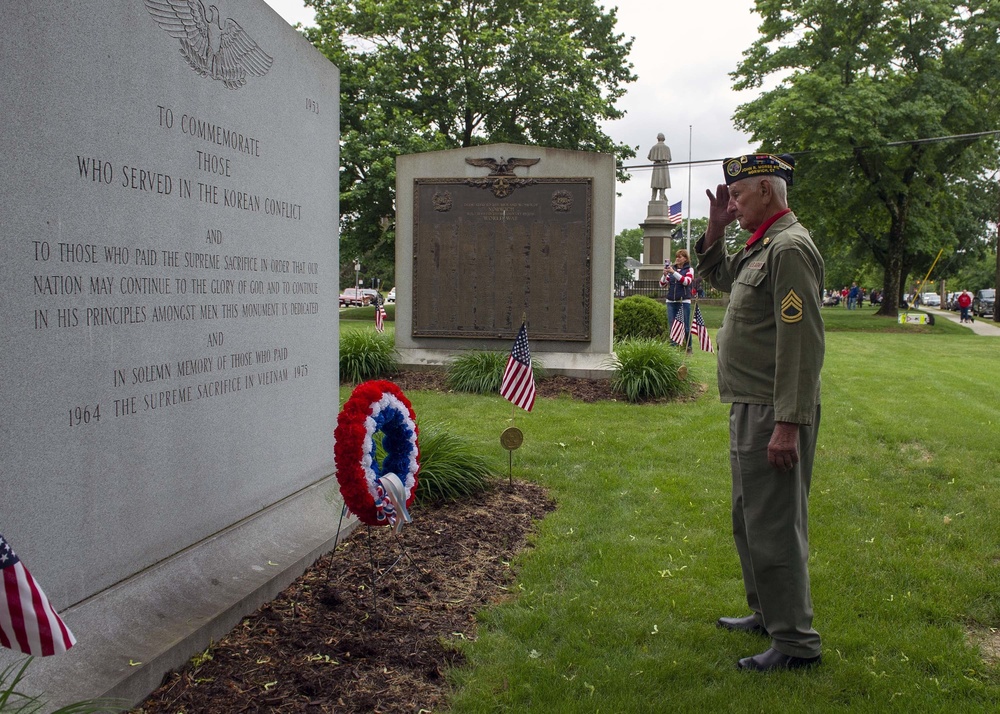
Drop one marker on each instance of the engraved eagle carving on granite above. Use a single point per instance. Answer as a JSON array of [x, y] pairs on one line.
[[502, 167], [226, 53]]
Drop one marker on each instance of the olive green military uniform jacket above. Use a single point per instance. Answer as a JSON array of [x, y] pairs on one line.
[[771, 343]]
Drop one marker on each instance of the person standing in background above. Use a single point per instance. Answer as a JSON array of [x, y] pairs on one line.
[[964, 303], [853, 297], [677, 279]]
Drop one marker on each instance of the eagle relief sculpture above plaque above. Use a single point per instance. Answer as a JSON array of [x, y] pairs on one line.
[[498, 181], [227, 54]]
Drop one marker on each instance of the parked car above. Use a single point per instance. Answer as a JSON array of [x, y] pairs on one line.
[[391, 297], [353, 297], [931, 299], [370, 293], [982, 304]]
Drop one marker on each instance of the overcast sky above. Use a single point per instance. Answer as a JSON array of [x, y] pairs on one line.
[[682, 54]]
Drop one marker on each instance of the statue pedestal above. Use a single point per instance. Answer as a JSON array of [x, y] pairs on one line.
[[656, 230]]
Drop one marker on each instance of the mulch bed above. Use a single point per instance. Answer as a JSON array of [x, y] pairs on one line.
[[320, 646]]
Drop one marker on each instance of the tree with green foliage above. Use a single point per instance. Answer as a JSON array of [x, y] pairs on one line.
[[628, 244], [868, 91], [441, 74], [973, 273]]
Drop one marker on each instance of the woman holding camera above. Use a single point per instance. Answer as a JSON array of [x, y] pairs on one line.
[[677, 280]]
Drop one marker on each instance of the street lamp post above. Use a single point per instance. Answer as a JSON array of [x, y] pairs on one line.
[[357, 273]]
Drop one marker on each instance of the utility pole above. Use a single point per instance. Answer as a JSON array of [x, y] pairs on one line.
[[996, 277]]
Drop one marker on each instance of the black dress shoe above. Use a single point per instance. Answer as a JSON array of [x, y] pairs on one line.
[[772, 660], [741, 624]]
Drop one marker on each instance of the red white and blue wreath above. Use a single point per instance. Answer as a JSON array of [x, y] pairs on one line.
[[379, 494]]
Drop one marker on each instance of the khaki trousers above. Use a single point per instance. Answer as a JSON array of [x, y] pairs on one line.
[[771, 528]]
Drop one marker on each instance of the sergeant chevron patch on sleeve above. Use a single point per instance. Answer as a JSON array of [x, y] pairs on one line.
[[791, 307]]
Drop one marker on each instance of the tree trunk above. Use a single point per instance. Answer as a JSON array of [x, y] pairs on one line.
[[890, 290], [467, 131], [892, 275]]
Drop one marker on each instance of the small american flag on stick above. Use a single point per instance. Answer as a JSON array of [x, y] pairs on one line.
[[698, 328], [518, 384], [28, 622], [379, 313], [677, 330]]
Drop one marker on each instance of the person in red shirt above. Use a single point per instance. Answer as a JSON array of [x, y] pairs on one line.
[[964, 303]]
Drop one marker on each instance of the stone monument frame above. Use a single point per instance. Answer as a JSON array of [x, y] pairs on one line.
[[140, 196], [592, 357]]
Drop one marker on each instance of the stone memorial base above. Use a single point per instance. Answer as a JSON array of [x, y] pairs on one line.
[[570, 364], [130, 635], [656, 247]]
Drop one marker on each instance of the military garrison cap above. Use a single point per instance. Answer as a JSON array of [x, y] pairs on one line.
[[750, 165]]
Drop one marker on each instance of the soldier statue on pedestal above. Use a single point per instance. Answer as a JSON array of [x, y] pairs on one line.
[[660, 156]]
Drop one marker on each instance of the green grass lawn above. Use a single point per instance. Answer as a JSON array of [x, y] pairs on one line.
[[613, 608]]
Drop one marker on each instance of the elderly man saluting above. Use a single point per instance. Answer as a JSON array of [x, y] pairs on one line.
[[771, 348]]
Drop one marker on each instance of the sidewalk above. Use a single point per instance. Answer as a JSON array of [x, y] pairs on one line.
[[982, 326]]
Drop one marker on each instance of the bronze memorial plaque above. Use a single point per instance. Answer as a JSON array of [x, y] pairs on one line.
[[487, 250]]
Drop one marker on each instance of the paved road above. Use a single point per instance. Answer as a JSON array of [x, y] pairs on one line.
[[982, 326]]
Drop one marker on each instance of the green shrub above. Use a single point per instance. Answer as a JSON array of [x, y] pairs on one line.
[[477, 371], [638, 316], [481, 372], [450, 468], [366, 354], [647, 369]]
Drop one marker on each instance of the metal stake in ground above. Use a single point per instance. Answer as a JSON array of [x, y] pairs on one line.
[[511, 439], [374, 568], [377, 572]]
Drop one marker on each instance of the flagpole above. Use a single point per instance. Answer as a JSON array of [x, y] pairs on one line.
[[689, 193], [682, 371]]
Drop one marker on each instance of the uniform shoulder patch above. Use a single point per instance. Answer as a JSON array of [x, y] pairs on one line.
[[791, 307]]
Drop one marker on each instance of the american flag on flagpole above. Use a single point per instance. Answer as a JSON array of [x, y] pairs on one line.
[[518, 384], [379, 313], [677, 330], [28, 622], [698, 328], [674, 212]]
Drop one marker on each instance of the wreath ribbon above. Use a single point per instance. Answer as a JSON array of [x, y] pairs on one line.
[[392, 497]]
